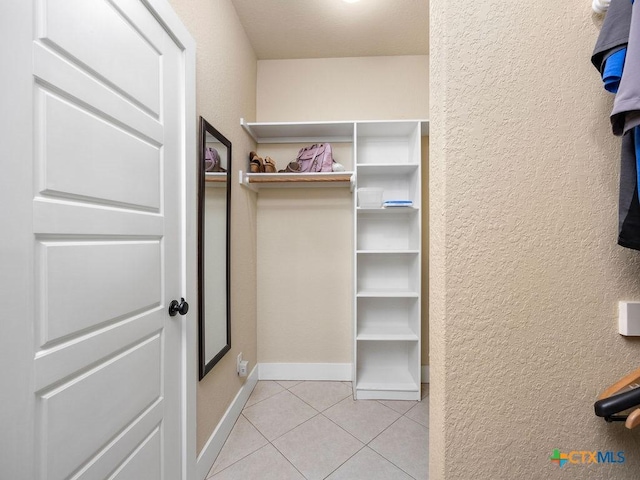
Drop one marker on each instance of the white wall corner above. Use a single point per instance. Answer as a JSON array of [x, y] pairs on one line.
[[219, 436], [339, 372]]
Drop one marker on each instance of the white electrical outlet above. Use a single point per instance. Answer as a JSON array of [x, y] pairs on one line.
[[238, 362], [244, 367]]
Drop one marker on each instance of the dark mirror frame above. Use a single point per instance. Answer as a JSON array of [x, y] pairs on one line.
[[203, 366]]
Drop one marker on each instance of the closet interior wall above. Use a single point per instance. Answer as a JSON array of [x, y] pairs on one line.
[[305, 237]]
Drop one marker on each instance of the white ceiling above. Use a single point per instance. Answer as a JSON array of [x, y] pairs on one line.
[[280, 29]]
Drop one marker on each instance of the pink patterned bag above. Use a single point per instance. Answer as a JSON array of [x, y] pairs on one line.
[[316, 158], [211, 160]]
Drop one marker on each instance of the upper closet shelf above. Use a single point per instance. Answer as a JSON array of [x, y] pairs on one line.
[[313, 132], [299, 132], [322, 132]]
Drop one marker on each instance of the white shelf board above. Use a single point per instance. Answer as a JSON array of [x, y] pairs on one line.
[[389, 333], [387, 252], [386, 168], [300, 132], [387, 293], [343, 131], [375, 394], [387, 210], [385, 386]]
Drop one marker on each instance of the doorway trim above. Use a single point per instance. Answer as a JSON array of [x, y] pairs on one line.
[[169, 19]]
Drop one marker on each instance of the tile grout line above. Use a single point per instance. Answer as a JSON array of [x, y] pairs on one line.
[[267, 398], [380, 454], [367, 444], [244, 407], [248, 454], [338, 467], [327, 418], [289, 461], [319, 411]]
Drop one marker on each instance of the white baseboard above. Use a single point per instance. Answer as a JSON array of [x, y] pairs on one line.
[[341, 372], [316, 371], [424, 373], [219, 436]]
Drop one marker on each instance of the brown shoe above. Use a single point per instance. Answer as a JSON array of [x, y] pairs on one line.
[[256, 164], [269, 165]]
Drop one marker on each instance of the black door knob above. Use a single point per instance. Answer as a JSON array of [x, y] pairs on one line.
[[181, 307]]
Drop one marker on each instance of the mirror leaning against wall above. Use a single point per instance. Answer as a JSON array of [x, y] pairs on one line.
[[214, 207]]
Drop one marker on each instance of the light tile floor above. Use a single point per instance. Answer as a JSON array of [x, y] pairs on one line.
[[315, 430]]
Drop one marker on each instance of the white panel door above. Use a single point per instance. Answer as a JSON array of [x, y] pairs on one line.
[[93, 209]]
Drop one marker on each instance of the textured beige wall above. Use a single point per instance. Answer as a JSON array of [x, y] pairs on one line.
[[304, 268], [225, 92], [357, 88], [525, 270], [304, 276], [305, 250]]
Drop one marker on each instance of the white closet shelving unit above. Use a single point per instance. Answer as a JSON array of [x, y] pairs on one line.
[[387, 263], [387, 253]]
